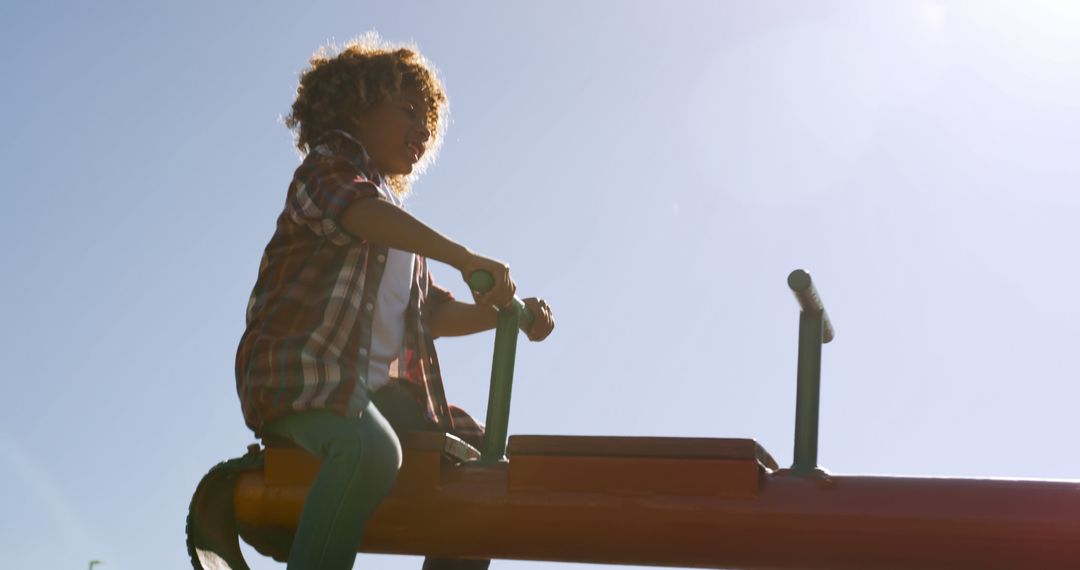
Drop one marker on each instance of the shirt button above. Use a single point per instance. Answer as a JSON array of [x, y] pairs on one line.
[[381, 258], [368, 307], [363, 352]]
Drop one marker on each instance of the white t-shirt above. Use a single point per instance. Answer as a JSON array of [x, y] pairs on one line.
[[388, 321]]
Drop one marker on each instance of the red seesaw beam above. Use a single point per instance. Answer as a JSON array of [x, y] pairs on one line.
[[707, 503]]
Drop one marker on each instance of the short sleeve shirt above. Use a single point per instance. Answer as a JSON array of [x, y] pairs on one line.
[[309, 319]]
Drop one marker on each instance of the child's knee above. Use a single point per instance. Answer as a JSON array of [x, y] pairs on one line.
[[384, 450], [382, 441], [373, 460]]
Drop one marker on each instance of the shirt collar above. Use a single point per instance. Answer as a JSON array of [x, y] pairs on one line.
[[351, 147]]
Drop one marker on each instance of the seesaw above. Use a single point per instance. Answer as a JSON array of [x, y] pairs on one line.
[[689, 502]]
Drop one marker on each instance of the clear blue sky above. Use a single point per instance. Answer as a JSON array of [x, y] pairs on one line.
[[655, 170]]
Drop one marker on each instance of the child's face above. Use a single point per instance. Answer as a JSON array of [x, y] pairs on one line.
[[394, 132]]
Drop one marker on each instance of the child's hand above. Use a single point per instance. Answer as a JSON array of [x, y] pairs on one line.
[[543, 322], [503, 292]]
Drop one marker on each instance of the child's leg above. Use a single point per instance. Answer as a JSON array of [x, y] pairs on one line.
[[405, 415], [361, 458], [469, 430]]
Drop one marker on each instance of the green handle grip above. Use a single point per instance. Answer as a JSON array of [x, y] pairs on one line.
[[482, 282]]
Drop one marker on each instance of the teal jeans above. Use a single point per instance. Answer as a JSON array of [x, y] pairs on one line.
[[360, 462]]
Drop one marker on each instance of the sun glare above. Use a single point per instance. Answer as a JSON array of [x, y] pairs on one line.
[[932, 14]]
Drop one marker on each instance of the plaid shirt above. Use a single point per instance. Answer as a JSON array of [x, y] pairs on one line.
[[309, 319]]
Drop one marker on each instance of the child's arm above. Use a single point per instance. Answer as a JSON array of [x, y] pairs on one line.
[[382, 222], [454, 318]]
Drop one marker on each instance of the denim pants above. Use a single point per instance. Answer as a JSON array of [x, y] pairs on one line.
[[360, 461]]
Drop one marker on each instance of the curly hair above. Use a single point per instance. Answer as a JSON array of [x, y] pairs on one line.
[[341, 83]]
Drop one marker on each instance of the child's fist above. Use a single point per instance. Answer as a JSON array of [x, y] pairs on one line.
[[502, 293], [543, 322]]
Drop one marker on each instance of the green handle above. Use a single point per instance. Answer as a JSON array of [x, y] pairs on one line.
[[814, 330], [511, 317], [482, 282]]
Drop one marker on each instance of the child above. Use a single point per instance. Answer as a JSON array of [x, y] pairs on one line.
[[338, 350]]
